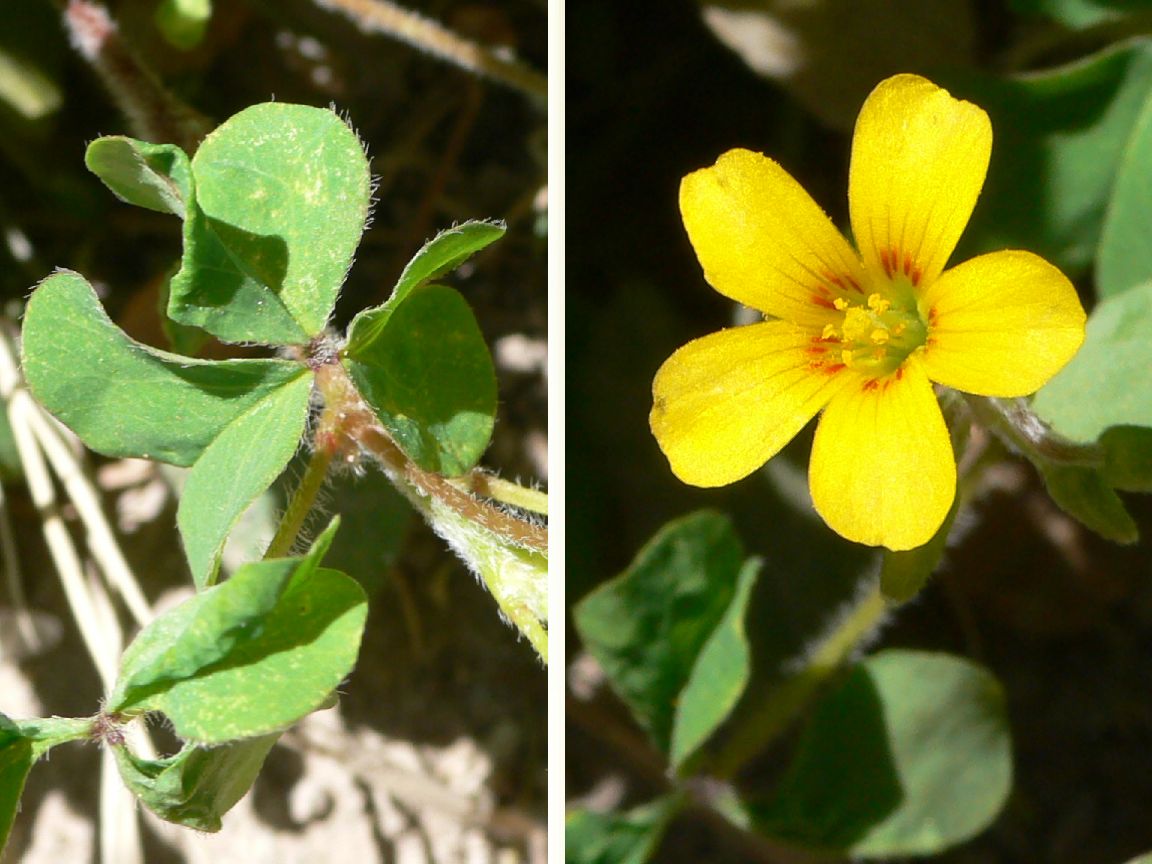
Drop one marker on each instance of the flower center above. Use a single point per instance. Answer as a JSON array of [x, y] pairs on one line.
[[877, 335]]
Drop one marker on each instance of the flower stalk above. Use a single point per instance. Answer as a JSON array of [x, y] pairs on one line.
[[507, 552]]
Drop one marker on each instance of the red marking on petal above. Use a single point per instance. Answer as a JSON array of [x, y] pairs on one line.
[[823, 301], [834, 368], [871, 384], [900, 373]]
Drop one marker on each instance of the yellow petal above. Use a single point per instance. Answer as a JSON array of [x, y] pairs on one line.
[[918, 161], [726, 403], [763, 241], [1001, 324], [882, 470]]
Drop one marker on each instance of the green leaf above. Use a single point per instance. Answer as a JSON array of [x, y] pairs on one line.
[[718, 677], [904, 574], [1060, 135], [196, 786], [648, 627], [1107, 383], [442, 254], [183, 22], [156, 176], [250, 656], [910, 755], [22, 742], [1127, 458], [1082, 492], [1079, 14], [16, 760], [25, 89], [243, 461], [127, 399], [424, 368], [624, 838], [203, 630], [307, 646], [1125, 257], [281, 199]]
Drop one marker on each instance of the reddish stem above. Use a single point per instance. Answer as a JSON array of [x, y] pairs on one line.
[[348, 427]]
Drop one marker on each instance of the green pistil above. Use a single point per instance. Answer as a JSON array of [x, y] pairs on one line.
[[877, 335]]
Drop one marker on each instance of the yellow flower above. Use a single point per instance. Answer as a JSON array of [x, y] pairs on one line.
[[862, 335]]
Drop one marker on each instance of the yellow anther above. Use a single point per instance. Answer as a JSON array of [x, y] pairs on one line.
[[857, 322], [876, 335]]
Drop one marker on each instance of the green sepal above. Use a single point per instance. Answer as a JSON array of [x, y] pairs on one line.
[[1127, 458], [516, 575]]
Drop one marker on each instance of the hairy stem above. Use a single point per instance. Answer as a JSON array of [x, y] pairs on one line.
[[352, 427], [382, 16], [507, 553], [153, 113], [781, 703], [301, 504], [376, 441], [1014, 423], [504, 491]]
